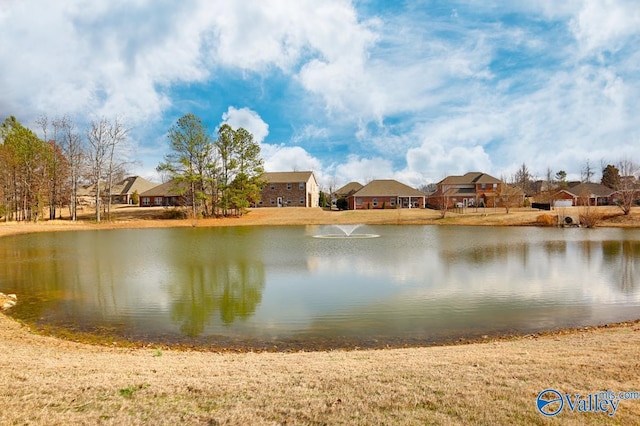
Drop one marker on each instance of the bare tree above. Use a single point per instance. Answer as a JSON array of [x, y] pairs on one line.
[[510, 195], [589, 216], [117, 136], [587, 172], [105, 145], [43, 122], [522, 178], [98, 157], [627, 188], [73, 151]]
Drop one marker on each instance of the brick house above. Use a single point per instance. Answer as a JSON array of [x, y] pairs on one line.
[[381, 194], [289, 189], [166, 194], [577, 195], [471, 189], [122, 191], [344, 192]]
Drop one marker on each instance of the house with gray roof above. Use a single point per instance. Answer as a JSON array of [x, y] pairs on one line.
[[594, 194], [386, 194], [167, 194]]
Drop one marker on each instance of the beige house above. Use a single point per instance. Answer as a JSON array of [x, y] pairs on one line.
[[290, 189], [123, 191]]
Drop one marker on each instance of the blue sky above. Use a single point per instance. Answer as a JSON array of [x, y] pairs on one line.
[[353, 90]]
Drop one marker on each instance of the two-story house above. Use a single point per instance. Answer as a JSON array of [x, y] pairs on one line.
[[289, 189], [472, 189]]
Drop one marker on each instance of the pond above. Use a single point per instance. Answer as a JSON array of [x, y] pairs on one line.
[[281, 288]]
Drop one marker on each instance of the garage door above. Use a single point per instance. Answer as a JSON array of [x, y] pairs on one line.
[[562, 203]]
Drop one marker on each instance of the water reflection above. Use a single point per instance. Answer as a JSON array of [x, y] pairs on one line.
[[233, 290], [414, 284], [623, 260]]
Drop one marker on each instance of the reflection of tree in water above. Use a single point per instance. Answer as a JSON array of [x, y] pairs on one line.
[[622, 257], [234, 289]]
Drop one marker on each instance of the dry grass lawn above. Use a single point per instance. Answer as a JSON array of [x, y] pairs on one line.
[[51, 381]]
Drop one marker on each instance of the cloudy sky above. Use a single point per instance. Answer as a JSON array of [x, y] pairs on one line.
[[353, 90]]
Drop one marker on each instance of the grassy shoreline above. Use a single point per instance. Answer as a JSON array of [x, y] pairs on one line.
[[55, 381]]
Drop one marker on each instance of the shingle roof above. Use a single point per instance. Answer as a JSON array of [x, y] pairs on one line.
[[287, 177], [590, 189], [470, 178], [170, 188], [388, 188], [132, 184], [349, 188]]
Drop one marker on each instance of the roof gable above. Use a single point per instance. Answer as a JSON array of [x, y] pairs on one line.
[[132, 184], [349, 188], [470, 178]]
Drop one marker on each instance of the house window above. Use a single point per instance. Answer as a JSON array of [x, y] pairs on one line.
[[157, 201], [272, 201], [288, 202], [495, 186], [288, 187], [145, 201], [272, 186], [359, 201], [301, 186], [392, 201], [301, 200], [484, 186], [375, 202]]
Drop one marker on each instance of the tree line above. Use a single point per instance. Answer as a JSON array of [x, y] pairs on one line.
[[623, 177], [217, 177], [42, 175]]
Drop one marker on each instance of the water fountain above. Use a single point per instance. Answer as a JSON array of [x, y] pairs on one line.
[[347, 232]]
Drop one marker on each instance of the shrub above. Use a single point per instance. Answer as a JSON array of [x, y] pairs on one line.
[[547, 220], [174, 214], [590, 219]]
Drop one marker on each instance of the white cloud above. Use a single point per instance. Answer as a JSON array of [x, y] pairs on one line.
[[310, 133], [362, 170], [279, 158], [248, 120], [433, 161], [605, 25], [420, 93]]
